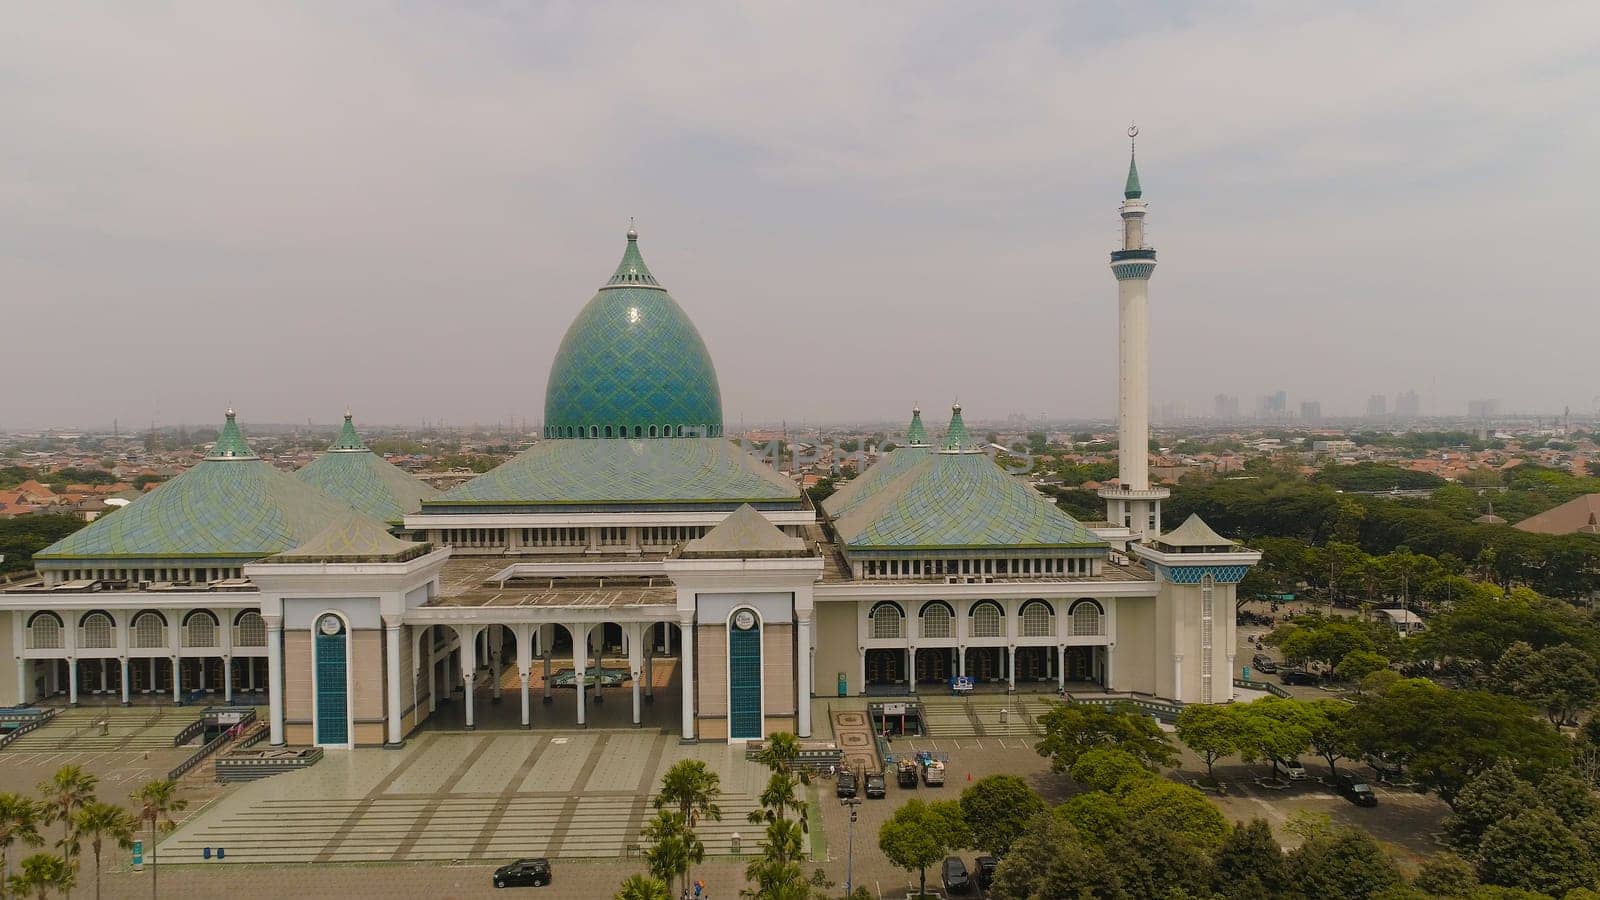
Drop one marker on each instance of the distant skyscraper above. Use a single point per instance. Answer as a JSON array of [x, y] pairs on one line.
[[1227, 407], [1311, 411], [1483, 409], [1272, 406], [1408, 405], [1377, 406]]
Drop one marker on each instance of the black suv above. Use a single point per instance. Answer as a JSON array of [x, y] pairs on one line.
[[877, 786], [846, 786], [1264, 663], [522, 873], [984, 867], [956, 880], [1357, 791]]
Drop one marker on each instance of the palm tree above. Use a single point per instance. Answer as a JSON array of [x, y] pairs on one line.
[[69, 788], [19, 821], [779, 751], [41, 873], [694, 790], [644, 887], [157, 801], [674, 847], [99, 821], [778, 799]]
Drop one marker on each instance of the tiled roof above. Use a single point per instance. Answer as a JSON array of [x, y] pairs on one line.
[[874, 479], [1574, 516], [349, 439], [621, 472], [223, 507], [745, 533], [916, 435], [368, 482], [957, 500], [353, 537], [1194, 532], [230, 443]]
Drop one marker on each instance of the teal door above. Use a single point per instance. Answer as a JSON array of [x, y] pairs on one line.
[[333, 710], [744, 678]]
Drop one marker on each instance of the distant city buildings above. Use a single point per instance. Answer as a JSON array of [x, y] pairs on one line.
[[1407, 404], [1377, 406], [1272, 406], [1483, 409], [1310, 411], [1226, 407]]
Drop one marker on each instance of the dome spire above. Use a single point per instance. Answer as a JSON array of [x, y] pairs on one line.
[[916, 435], [348, 440], [1132, 191], [230, 442], [955, 437], [632, 272]]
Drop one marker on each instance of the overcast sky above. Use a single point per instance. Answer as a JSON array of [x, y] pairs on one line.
[[400, 207]]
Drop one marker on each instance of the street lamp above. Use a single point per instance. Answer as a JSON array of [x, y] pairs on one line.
[[850, 803]]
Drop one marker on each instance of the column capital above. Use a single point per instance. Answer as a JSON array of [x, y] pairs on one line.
[[273, 623], [392, 622]]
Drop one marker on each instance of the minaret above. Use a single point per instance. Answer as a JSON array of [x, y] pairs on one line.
[[1133, 503]]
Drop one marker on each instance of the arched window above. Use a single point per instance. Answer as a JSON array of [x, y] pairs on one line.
[[149, 630], [936, 618], [987, 620], [680, 431], [594, 431], [608, 431], [249, 630], [652, 431], [888, 621], [44, 631], [200, 629], [1038, 619], [638, 431], [1087, 619], [98, 632]]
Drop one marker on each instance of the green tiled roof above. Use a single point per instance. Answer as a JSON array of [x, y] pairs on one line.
[[874, 479], [223, 507], [955, 437], [353, 537], [365, 480], [230, 442], [745, 534], [1131, 190], [348, 439], [957, 500], [681, 470], [632, 361], [916, 435]]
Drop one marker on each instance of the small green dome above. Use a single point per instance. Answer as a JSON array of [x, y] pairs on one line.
[[632, 365]]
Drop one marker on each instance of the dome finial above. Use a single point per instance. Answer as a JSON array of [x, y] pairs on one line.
[[633, 230], [1132, 191]]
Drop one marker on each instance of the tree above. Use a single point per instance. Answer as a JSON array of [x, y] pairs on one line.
[[997, 808], [1212, 732], [1109, 769], [1176, 809], [1492, 795], [64, 792], [156, 801], [1534, 851], [1249, 864], [644, 887], [19, 821], [1155, 862], [674, 847], [42, 873], [1327, 723], [1558, 680], [1345, 863], [779, 751], [1447, 875], [1274, 729], [1358, 664], [1050, 860], [778, 799], [920, 834], [98, 821], [1070, 729], [693, 788], [1097, 817]]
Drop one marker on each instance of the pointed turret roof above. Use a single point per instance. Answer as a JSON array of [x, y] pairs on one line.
[[632, 272], [230, 442], [351, 472], [1131, 190], [348, 440], [916, 435], [955, 437], [1195, 534], [353, 537], [744, 534]]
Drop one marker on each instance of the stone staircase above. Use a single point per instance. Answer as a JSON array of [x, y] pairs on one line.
[[100, 729]]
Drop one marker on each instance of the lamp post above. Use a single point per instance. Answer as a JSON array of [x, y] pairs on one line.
[[850, 803]]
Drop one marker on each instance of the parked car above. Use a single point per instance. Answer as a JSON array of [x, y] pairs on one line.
[[1357, 791], [1293, 768], [846, 786], [905, 774], [983, 868], [956, 879], [877, 786], [523, 873], [1264, 663], [1297, 676]]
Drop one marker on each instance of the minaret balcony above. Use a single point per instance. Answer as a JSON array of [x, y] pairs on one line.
[[1142, 254]]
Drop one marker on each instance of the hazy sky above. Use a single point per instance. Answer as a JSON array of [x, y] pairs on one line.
[[400, 207]]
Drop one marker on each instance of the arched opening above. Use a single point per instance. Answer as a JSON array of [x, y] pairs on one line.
[[937, 620], [886, 621], [1088, 619], [149, 630], [987, 620], [1038, 619], [45, 632], [97, 631], [608, 431], [652, 431]]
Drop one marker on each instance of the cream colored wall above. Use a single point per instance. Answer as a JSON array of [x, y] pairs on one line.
[[835, 639], [297, 679], [711, 677], [777, 670], [8, 671], [366, 675], [1189, 640], [1136, 644]]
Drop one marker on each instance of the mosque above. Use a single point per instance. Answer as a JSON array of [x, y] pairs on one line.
[[633, 539]]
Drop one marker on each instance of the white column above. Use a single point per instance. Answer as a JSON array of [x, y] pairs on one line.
[[275, 678], [1061, 669], [152, 688], [861, 671], [635, 639], [72, 681], [961, 662], [227, 679], [1011, 674], [391, 678], [469, 670], [177, 679], [494, 641], [1229, 682], [200, 672], [580, 664], [686, 663], [1177, 677], [911, 668], [105, 674], [123, 662], [22, 682], [803, 695], [524, 664]]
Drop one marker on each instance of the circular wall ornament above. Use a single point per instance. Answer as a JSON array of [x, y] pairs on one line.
[[329, 625], [744, 620]]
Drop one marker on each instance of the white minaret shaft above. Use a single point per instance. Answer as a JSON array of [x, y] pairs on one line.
[[1133, 502]]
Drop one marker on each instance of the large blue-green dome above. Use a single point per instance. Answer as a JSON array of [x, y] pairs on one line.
[[632, 365]]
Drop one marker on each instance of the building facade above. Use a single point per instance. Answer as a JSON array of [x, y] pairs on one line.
[[355, 602]]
